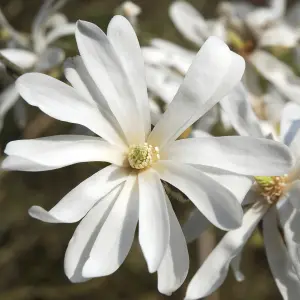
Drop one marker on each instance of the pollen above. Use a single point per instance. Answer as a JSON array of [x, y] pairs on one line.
[[142, 156], [271, 188]]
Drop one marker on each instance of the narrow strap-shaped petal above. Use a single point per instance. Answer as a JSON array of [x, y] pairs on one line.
[[85, 235], [236, 268], [238, 185], [105, 68], [294, 194], [20, 57], [239, 111], [290, 223], [280, 35], [8, 98], [242, 155], [290, 124], [279, 261], [213, 272], [214, 201], [175, 264], [49, 59], [195, 225], [79, 77], [62, 102], [82, 198], [278, 73], [204, 85], [59, 32], [189, 22], [64, 150], [154, 226], [115, 237], [124, 40]]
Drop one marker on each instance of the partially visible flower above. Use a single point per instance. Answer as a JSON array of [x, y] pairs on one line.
[[267, 29], [34, 52], [109, 96], [269, 198]]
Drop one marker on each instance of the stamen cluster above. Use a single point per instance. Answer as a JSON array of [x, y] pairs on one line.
[[271, 188], [142, 156]]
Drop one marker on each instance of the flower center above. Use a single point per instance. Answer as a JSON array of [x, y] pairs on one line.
[[271, 188], [243, 47], [142, 156]]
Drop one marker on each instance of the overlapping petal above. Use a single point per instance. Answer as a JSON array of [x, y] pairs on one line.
[[82, 198], [62, 102], [115, 237], [175, 264], [104, 66], [124, 40], [154, 226], [214, 201], [243, 155], [204, 85], [63, 150], [214, 270], [85, 235], [280, 264]]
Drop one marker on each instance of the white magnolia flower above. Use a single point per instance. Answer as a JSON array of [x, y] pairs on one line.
[[109, 96], [34, 52], [267, 29], [270, 197]]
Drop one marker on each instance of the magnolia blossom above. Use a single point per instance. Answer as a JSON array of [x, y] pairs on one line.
[[266, 26], [273, 200], [34, 52], [109, 96]]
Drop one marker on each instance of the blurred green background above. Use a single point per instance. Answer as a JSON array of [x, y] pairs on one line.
[[32, 252]]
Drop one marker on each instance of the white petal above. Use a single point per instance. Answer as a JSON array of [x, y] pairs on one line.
[[235, 266], [49, 58], [60, 31], [163, 82], [62, 102], [85, 235], [82, 198], [124, 40], [204, 85], [105, 68], [239, 111], [189, 22], [214, 270], [294, 194], [238, 185], [281, 266], [280, 35], [175, 264], [289, 219], [63, 150], [277, 73], [274, 104], [214, 201], [290, 122], [242, 155], [115, 238], [154, 227], [8, 98], [15, 163], [22, 58], [195, 225]]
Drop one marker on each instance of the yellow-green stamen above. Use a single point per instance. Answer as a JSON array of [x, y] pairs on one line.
[[271, 187], [142, 156]]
